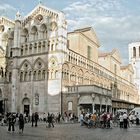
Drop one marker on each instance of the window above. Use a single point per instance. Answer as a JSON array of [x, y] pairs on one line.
[[89, 52], [21, 51], [25, 76], [21, 76], [69, 106], [134, 51], [34, 75], [10, 77], [115, 68], [43, 74], [11, 54], [30, 75], [39, 75]]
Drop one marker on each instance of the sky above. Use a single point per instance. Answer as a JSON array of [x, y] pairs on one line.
[[116, 22]]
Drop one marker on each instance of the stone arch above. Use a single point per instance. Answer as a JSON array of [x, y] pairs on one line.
[[80, 76], [2, 28], [73, 74], [43, 27], [26, 101], [53, 61], [34, 33], [33, 29], [43, 31], [53, 26], [21, 67], [73, 69], [25, 35], [39, 63], [65, 66], [24, 32], [87, 99], [65, 71], [38, 18], [86, 77]]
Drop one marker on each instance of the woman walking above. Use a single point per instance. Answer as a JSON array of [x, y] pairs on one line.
[[21, 123]]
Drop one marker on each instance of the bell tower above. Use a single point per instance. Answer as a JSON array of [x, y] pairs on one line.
[[134, 60]]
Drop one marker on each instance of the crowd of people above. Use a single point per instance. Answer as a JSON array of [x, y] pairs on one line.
[[91, 120], [108, 120], [12, 120]]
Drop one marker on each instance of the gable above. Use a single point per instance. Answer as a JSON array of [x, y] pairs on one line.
[[116, 55], [90, 33], [6, 22], [41, 10]]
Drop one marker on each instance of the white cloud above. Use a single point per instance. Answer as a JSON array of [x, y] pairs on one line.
[[6, 9], [114, 27]]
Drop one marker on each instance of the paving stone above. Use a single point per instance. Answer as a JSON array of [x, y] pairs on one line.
[[70, 132]]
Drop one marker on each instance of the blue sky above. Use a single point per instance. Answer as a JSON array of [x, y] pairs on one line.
[[116, 22]]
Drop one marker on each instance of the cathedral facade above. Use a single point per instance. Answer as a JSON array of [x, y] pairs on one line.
[[39, 60]]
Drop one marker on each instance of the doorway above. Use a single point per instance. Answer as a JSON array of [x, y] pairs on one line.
[[26, 106], [26, 109], [1, 107]]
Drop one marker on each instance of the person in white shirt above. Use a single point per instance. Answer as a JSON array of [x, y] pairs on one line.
[[81, 119], [125, 120], [121, 120]]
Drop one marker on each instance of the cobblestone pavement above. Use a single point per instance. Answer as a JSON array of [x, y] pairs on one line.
[[71, 132]]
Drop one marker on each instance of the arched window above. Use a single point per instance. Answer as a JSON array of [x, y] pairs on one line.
[[39, 75], [35, 48], [34, 75], [10, 76], [30, 49], [56, 74], [134, 51], [21, 76], [52, 47], [39, 47], [30, 73], [70, 106], [21, 51], [34, 33], [43, 74], [25, 76]]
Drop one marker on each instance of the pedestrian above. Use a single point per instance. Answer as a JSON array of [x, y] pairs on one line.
[[21, 123], [11, 122], [125, 120], [36, 118], [137, 119], [33, 119], [121, 120], [59, 117], [81, 119], [50, 120]]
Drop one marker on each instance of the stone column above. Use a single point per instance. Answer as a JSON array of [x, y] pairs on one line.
[[106, 99], [100, 99], [93, 104]]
